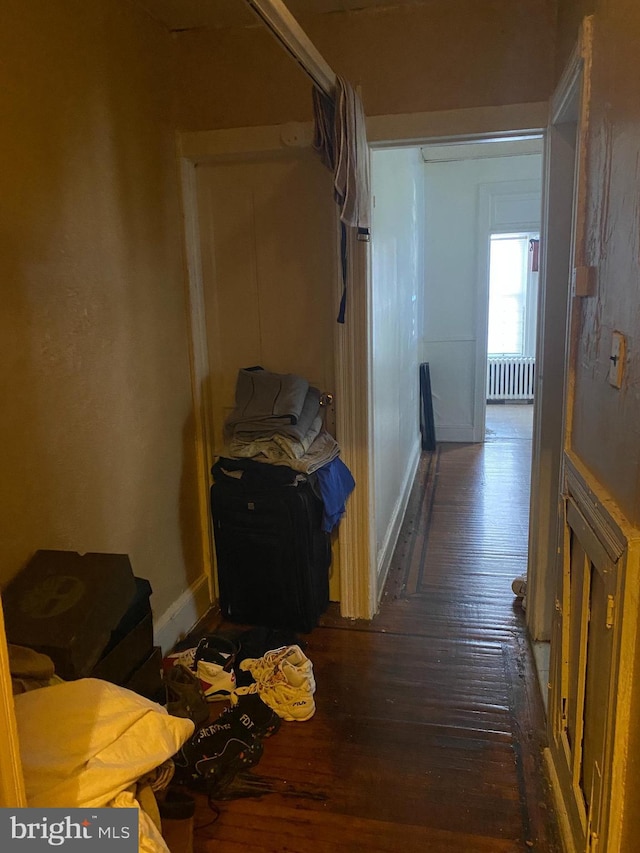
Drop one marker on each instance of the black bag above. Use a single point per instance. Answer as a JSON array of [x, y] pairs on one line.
[[273, 558]]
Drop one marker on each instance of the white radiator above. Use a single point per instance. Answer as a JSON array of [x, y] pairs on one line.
[[510, 378]]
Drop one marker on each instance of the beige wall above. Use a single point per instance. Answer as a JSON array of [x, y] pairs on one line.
[[606, 432], [435, 56], [95, 431]]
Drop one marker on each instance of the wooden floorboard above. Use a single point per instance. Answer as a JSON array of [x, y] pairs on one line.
[[429, 729]]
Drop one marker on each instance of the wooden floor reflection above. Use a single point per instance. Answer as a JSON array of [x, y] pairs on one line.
[[429, 725]]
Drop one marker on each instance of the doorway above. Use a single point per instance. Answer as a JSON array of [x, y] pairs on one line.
[[435, 250], [474, 192], [511, 339]]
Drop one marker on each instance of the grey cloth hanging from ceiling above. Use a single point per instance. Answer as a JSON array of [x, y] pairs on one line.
[[340, 138]]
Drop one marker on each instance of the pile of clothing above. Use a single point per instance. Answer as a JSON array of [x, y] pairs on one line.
[[278, 420]]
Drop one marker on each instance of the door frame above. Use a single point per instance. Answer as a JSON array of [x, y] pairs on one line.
[[354, 553], [12, 789], [359, 592], [563, 276]]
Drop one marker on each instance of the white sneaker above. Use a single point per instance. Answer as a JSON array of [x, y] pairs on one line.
[[218, 681], [184, 658], [286, 691], [261, 668]]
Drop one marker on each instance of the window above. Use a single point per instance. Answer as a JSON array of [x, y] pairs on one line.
[[512, 294]]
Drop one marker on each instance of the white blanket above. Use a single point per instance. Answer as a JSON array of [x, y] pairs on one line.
[[85, 743]]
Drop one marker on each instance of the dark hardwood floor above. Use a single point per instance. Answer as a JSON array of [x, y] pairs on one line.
[[429, 725]]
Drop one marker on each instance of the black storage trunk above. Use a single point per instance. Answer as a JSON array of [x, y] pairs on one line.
[[146, 679], [131, 640], [273, 558], [66, 606]]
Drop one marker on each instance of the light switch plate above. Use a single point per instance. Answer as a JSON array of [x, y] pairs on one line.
[[616, 359]]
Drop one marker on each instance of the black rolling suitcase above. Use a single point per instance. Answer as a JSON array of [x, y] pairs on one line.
[[273, 558]]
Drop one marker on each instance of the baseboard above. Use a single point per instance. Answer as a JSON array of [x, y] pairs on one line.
[[395, 524], [455, 433], [564, 824], [183, 614]]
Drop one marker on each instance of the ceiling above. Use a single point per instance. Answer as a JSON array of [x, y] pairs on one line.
[[218, 14]]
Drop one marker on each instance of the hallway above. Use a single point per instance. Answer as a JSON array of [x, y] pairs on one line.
[[429, 723]]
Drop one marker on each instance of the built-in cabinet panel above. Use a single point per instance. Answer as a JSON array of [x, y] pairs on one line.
[[593, 650]]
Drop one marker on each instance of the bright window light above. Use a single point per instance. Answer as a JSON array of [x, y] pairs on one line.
[[510, 305]]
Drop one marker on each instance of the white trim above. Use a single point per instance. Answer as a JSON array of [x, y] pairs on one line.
[[201, 145], [182, 615], [564, 825], [564, 174], [284, 27], [397, 517], [553, 289], [603, 516], [458, 433], [199, 366], [12, 790], [403, 130], [485, 149], [356, 534], [506, 121], [571, 101]]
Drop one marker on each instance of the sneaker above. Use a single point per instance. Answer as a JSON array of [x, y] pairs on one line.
[[286, 691], [217, 682], [212, 662], [182, 658], [213, 764], [215, 754], [184, 694], [262, 668], [251, 713]]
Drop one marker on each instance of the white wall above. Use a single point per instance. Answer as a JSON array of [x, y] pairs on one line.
[[397, 267], [464, 199]]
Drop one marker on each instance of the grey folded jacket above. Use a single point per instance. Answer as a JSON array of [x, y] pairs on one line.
[[245, 430], [276, 397], [273, 447], [323, 449]]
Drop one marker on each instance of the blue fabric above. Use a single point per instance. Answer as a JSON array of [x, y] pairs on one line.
[[335, 484]]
